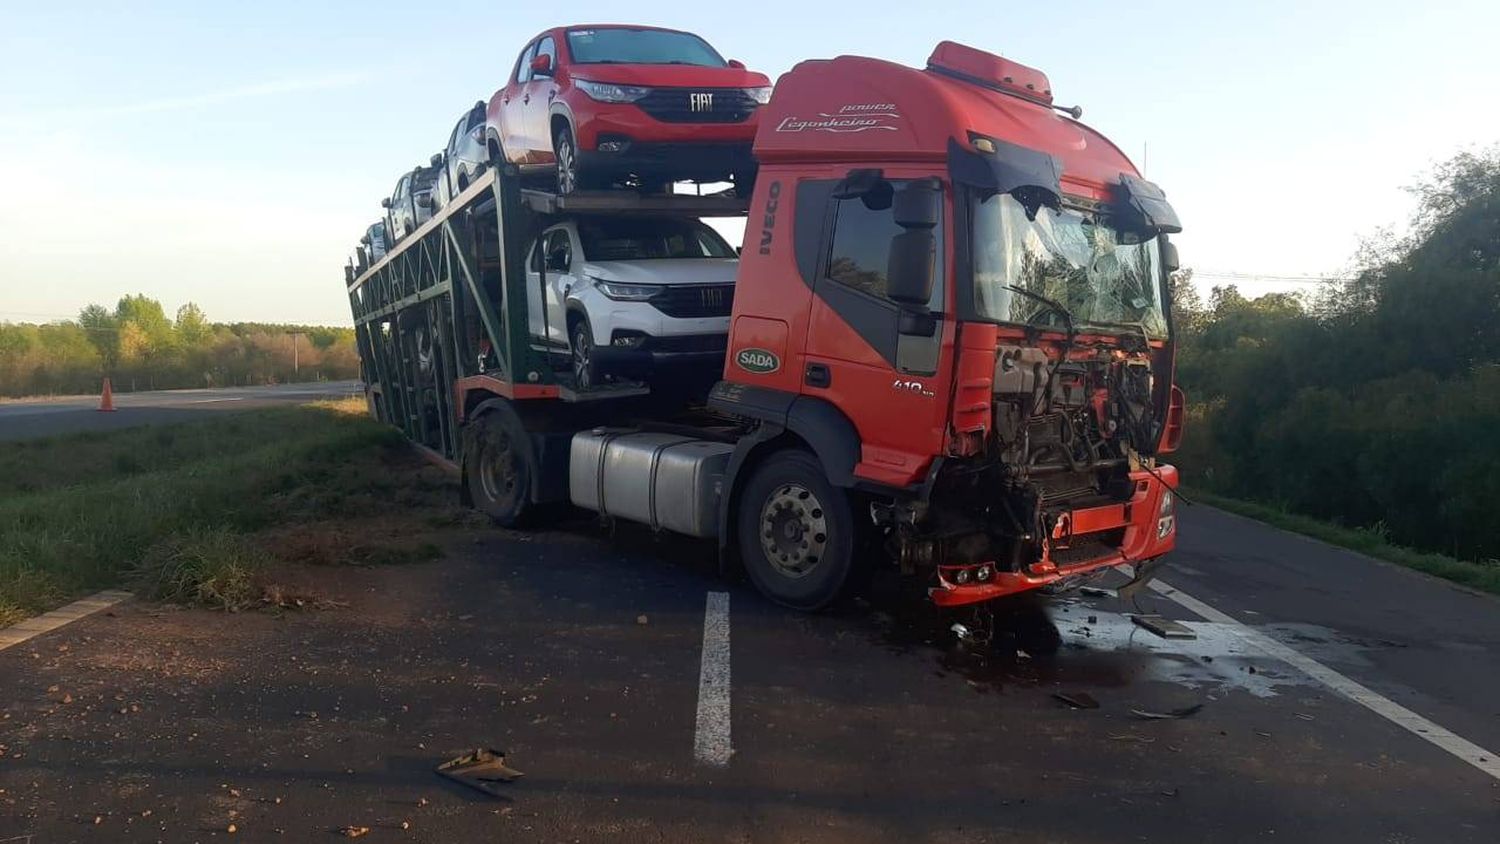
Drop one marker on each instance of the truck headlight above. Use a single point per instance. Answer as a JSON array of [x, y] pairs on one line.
[[607, 92], [761, 95], [1166, 521], [627, 292]]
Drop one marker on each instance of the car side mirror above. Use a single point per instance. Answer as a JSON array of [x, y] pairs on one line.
[[736, 64], [557, 261], [1169, 261], [385, 203], [348, 273], [910, 269], [424, 200], [437, 158], [541, 65]]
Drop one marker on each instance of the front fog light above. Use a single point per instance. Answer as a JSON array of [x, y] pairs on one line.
[[613, 146], [1165, 520], [961, 576], [984, 573]]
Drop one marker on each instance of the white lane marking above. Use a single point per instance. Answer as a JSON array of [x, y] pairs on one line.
[[212, 401], [1386, 708], [47, 622], [711, 741]]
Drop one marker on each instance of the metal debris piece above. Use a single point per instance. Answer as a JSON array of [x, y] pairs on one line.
[[1169, 714], [1097, 592], [480, 770], [354, 831], [1077, 700], [1132, 737], [1165, 628]]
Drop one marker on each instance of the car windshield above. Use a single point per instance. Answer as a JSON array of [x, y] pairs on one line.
[[1104, 277], [634, 240], [640, 46]]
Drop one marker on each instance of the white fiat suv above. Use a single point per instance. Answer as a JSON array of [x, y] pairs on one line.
[[632, 297]]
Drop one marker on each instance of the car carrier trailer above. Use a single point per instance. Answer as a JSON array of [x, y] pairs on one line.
[[950, 347]]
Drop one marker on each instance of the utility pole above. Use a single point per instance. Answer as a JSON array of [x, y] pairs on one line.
[[296, 362]]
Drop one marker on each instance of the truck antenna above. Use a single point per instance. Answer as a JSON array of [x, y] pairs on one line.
[[1074, 112]]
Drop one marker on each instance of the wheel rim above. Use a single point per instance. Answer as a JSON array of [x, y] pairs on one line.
[[497, 472], [793, 530], [582, 353], [567, 166]]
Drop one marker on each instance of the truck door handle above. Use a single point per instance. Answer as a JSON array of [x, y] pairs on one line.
[[818, 375]]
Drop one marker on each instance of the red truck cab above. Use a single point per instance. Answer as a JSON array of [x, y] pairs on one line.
[[956, 298]]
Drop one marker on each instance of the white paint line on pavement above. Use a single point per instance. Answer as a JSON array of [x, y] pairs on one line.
[[47, 622], [1386, 708], [711, 741], [212, 401]]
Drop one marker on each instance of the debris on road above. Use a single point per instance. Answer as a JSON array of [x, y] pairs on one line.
[[1167, 715], [1096, 592], [1165, 628], [353, 831], [1077, 700], [642, 619], [480, 770]]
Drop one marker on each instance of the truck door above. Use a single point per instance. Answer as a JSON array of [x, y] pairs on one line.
[[554, 254], [518, 147], [881, 370], [540, 92]]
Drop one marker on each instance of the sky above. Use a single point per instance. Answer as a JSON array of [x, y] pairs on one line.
[[232, 154]]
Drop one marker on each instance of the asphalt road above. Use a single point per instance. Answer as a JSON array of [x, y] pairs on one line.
[[44, 417], [582, 654]]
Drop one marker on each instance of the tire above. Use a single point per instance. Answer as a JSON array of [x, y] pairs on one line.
[[499, 467], [565, 152], [581, 350], [785, 506]]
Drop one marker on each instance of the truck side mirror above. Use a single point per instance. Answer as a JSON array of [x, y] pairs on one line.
[[437, 158], [385, 203], [909, 271], [918, 205], [541, 65], [1169, 261]]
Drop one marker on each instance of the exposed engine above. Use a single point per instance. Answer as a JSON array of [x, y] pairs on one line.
[[1065, 436]]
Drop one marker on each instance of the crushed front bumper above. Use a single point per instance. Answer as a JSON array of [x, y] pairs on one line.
[[1074, 548]]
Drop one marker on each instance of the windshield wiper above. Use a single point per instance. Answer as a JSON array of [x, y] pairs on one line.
[[1046, 402], [1052, 304]]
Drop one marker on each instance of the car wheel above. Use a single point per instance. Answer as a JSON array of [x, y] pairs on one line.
[[566, 152], [499, 465], [796, 532], [581, 345]]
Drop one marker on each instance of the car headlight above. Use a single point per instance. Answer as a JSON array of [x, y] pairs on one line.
[[608, 92], [627, 292], [761, 95]]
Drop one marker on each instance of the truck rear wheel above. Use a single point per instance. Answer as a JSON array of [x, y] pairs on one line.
[[499, 467], [796, 532]]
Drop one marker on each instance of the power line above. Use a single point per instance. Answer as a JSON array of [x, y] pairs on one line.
[[1279, 279]]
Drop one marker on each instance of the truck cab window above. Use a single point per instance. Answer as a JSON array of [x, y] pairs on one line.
[[860, 252]]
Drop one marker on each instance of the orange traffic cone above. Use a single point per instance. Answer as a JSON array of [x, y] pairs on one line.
[[107, 399]]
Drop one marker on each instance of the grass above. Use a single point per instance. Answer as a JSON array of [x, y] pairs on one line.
[[1484, 576], [193, 512]]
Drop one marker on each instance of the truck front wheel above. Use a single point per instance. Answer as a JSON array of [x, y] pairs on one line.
[[796, 532], [498, 466]]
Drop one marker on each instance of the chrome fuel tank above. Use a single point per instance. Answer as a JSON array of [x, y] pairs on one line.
[[668, 481]]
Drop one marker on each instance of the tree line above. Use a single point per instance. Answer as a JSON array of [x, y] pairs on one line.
[[140, 348], [1376, 401]]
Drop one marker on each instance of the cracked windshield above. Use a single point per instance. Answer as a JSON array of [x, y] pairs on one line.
[[1102, 276]]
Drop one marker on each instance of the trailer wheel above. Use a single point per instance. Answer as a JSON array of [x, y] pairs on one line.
[[796, 532], [499, 466]]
